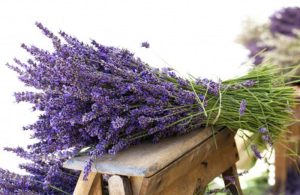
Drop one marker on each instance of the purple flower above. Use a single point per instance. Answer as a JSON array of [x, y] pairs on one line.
[[145, 45], [255, 151], [248, 83], [212, 87], [87, 169], [285, 21], [266, 138], [118, 123], [255, 47], [242, 109], [263, 130]]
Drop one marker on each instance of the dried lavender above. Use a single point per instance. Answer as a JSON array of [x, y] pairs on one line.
[[266, 137], [263, 130], [57, 182], [255, 151], [145, 44], [231, 178], [105, 99], [276, 41], [242, 107], [285, 21]]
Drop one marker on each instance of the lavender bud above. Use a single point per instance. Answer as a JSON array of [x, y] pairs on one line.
[[145, 45], [255, 151], [242, 109], [263, 130]]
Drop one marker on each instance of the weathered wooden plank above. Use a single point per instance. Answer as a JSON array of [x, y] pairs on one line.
[[119, 185], [141, 160], [85, 186], [136, 183], [96, 188], [195, 169]]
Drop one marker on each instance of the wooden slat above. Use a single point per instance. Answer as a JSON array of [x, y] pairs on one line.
[[119, 185], [141, 160], [96, 188], [136, 183], [196, 168], [84, 187]]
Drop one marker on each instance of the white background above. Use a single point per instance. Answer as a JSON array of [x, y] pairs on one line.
[[193, 36]]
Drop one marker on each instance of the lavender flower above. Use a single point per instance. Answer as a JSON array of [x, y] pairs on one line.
[[87, 169], [145, 44], [231, 178], [263, 130], [248, 83], [242, 109], [266, 136], [118, 123], [255, 151], [285, 21], [212, 87], [267, 139]]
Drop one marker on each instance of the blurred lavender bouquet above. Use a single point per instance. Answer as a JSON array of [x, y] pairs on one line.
[[103, 100], [276, 41]]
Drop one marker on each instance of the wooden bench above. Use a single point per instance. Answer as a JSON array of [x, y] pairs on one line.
[[180, 165], [290, 141]]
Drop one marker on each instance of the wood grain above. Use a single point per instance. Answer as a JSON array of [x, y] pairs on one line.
[[198, 167], [141, 160], [84, 187], [96, 188], [136, 183], [119, 185]]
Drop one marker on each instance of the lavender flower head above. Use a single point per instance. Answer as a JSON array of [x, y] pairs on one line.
[[285, 21], [267, 139], [266, 136], [242, 109], [145, 45], [255, 151], [212, 86], [118, 123], [87, 169], [263, 130]]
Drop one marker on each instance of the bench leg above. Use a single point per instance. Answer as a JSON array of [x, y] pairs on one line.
[[231, 181], [119, 185], [280, 168], [93, 186]]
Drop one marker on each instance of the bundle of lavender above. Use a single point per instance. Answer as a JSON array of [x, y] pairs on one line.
[[276, 41], [103, 99]]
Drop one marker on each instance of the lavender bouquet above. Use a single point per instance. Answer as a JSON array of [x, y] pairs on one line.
[[102, 100], [276, 41]]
